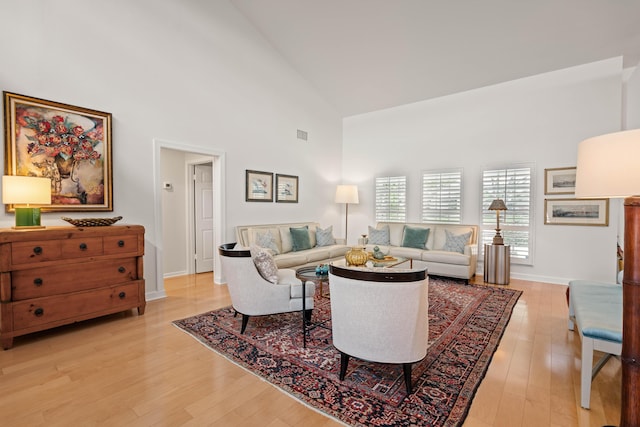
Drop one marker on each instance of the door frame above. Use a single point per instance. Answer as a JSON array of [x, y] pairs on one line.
[[218, 158]]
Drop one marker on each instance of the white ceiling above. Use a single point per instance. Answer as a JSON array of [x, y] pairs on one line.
[[365, 55]]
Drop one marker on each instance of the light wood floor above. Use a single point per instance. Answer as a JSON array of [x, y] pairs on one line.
[[141, 371]]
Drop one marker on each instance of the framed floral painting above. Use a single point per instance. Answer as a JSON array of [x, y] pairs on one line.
[[71, 145]]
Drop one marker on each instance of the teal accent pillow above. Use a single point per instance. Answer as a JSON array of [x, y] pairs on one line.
[[379, 237], [456, 242], [415, 237], [300, 238], [325, 237]]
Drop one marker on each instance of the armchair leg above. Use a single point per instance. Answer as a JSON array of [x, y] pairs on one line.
[[406, 367], [245, 320], [344, 361], [307, 315]]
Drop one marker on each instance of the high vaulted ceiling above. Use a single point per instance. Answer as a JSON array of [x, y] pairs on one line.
[[365, 55]]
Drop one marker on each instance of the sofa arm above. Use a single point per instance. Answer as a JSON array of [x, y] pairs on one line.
[[471, 250], [340, 241]]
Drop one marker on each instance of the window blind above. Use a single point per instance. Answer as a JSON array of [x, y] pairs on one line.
[[391, 198], [442, 196], [514, 186]]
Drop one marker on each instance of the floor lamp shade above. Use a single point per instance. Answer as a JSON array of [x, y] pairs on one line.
[[608, 167], [347, 194], [24, 191]]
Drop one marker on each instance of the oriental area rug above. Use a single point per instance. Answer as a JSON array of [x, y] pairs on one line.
[[466, 323]]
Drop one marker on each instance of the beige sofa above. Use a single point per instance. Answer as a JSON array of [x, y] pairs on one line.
[[438, 262], [287, 258]]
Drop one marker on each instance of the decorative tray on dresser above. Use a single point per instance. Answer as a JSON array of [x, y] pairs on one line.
[[59, 275]]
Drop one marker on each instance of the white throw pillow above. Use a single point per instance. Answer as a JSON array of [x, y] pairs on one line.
[[265, 263]]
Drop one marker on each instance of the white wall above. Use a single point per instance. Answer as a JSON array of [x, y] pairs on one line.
[[539, 119], [190, 71], [174, 213]]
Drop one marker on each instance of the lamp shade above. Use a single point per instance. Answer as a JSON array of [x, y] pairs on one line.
[[26, 190], [498, 205], [347, 194], [608, 165]]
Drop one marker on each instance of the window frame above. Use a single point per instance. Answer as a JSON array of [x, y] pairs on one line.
[[507, 227], [389, 215], [439, 173]]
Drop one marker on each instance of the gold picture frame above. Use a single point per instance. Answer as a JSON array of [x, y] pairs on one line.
[[70, 145], [560, 180], [593, 212]]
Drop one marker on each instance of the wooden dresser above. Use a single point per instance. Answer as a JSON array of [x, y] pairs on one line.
[[59, 275]]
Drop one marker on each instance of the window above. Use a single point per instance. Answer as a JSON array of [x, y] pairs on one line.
[[514, 186], [391, 198], [442, 196]]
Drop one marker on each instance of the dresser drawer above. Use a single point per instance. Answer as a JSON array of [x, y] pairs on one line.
[[126, 244], [78, 248], [63, 309], [71, 277], [35, 252]]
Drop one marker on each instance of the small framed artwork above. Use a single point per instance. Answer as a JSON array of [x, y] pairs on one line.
[[560, 180], [286, 188], [576, 211], [68, 144], [259, 186]]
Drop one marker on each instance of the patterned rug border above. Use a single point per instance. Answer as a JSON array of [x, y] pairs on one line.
[[496, 334]]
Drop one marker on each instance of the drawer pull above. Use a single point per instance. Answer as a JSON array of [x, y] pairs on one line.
[[122, 269], [37, 281], [121, 243], [37, 250], [38, 311], [122, 295], [83, 246]]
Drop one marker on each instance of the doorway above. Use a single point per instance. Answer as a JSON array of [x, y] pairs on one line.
[[176, 227]]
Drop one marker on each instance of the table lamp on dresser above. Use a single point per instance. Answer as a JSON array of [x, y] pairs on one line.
[[23, 192]]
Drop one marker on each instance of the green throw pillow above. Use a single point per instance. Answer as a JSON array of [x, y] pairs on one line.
[[415, 237], [300, 238]]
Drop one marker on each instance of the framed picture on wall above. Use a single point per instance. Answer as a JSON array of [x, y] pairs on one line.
[[560, 180], [259, 186], [286, 188], [68, 144], [576, 211]]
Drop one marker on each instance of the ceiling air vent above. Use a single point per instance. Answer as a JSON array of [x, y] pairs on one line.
[[302, 135]]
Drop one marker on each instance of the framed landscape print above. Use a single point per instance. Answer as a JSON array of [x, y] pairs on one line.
[[576, 211], [286, 188], [560, 180], [259, 186], [70, 145]]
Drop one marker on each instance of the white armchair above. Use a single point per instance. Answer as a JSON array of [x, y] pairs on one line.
[[252, 295], [380, 316]]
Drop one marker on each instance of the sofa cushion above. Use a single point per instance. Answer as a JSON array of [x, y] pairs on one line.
[[265, 263], [325, 237], [319, 253], [291, 259], [300, 238], [379, 236], [415, 237], [456, 242], [445, 257], [255, 234], [405, 252]]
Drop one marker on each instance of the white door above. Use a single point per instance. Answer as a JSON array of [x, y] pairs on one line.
[[203, 176]]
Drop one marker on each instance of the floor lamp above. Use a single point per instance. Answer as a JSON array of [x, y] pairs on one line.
[[608, 167], [346, 194]]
